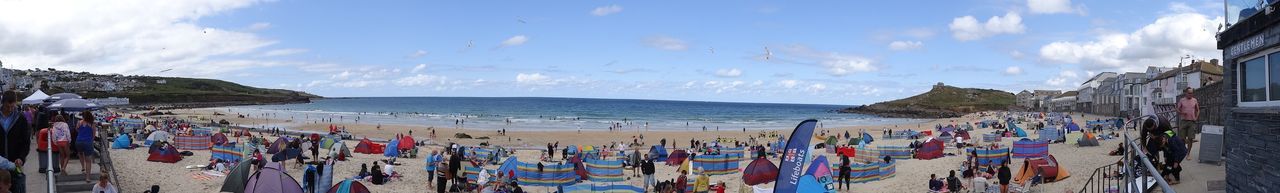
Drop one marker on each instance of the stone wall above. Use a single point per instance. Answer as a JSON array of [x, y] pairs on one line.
[[1252, 137]]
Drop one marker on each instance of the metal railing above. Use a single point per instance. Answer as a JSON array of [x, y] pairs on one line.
[[1134, 175]]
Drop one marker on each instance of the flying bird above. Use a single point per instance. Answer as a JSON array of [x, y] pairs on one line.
[[470, 43], [521, 20], [767, 54], [165, 70], [712, 49]]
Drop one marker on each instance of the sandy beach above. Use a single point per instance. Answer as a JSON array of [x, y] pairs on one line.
[[137, 173]]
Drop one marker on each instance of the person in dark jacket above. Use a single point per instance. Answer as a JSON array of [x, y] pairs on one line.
[[16, 135], [845, 172], [377, 177], [647, 169], [934, 183], [1175, 152], [953, 183], [1004, 174]]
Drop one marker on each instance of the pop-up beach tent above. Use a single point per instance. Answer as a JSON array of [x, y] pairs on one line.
[[166, 154], [122, 142], [237, 178], [349, 186], [1047, 166], [339, 150], [406, 143], [658, 153], [368, 147], [931, 149], [272, 179]]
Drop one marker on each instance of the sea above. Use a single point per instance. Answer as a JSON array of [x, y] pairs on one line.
[[537, 113]]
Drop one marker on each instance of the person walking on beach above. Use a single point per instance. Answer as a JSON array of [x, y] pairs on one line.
[[647, 169], [1189, 111], [432, 160]]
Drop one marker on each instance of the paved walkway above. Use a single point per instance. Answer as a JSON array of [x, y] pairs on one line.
[[74, 182]]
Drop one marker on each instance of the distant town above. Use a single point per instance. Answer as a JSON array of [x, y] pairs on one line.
[[49, 79], [1122, 93]]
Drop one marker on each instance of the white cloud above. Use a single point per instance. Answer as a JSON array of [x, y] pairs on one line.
[[729, 72], [1158, 43], [844, 65], [533, 79], [1013, 70], [789, 83], [341, 76], [836, 64], [816, 88], [418, 68], [259, 26], [606, 10], [358, 83], [515, 41], [1053, 6], [283, 52], [1064, 79], [968, 28], [126, 37], [421, 53], [421, 80], [666, 43], [905, 45]]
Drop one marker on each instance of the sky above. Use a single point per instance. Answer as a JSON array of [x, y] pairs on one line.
[[812, 52]]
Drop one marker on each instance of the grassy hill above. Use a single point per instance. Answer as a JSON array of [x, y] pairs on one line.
[[940, 102], [202, 91]]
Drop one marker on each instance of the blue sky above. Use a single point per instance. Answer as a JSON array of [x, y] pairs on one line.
[[827, 52]]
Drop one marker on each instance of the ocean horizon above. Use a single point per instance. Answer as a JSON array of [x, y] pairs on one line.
[[555, 113]]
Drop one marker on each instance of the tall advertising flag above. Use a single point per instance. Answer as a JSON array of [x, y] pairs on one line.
[[793, 157]]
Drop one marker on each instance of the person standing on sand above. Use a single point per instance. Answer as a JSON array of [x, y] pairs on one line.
[[1189, 111], [1004, 175], [647, 169]]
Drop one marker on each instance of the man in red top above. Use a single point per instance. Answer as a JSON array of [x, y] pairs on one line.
[[1189, 111]]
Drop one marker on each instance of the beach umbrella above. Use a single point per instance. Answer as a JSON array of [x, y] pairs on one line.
[[74, 105], [236, 179], [35, 98], [61, 96], [759, 171]]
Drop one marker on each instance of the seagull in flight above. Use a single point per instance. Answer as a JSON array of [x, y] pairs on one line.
[[767, 54], [165, 70], [521, 20], [712, 49], [470, 43]]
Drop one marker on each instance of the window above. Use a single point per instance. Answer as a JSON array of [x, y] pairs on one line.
[[1259, 80], [1253, 80]]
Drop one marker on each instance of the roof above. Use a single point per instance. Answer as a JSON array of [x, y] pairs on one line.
[[1068, 94], [1207, 67]]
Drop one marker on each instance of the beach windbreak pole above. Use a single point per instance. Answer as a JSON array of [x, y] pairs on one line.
[[794, 156]]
